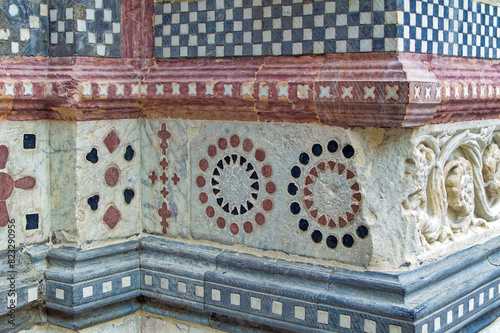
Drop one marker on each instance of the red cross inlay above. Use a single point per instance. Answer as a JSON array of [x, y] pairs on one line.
[[163, 134], [164, 163], [164, 192], [175, 179], [153, 177], [165, 213], [164, 178]]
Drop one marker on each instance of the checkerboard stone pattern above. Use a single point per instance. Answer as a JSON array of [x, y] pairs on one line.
[[24, 27], [85, 28], [451, 27], [271, 27], [221, 28]]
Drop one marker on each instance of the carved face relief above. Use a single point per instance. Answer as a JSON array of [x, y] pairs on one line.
[[459, 186], [491, 170]]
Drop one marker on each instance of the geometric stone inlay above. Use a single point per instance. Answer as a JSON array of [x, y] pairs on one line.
[[236, 176], [331, 194]]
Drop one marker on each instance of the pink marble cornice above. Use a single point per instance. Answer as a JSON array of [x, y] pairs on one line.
[[375, 89]]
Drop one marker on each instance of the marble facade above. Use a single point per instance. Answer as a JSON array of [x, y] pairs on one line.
[[235, 166]]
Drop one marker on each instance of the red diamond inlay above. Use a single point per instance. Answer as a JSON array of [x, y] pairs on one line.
[[112, 216], [111, 141]]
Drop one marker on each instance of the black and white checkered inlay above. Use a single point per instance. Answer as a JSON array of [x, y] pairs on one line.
[[272, 27], [451, 27], [23, 28], [219, 28], [90, 28]]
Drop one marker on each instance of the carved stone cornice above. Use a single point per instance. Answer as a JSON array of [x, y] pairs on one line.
[[379, 89]]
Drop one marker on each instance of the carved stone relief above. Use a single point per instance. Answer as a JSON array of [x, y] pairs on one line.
[[454, 178]]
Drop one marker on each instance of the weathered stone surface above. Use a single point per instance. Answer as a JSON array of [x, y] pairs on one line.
[[165, 177], [248, 184], [25, 182], [108, 191]]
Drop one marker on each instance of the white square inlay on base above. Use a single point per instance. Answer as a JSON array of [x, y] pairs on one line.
[[277, 308], [235, 299], [107, 287], [148, 280], [59, 293], [322, 317], [345, 321], [126, 281], [32, 294], [255, 303], [87, 291]]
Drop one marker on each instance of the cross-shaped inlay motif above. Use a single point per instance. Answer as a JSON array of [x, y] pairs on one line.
[[163, 134]]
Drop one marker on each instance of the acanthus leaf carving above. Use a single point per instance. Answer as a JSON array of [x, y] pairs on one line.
[[454, 182]]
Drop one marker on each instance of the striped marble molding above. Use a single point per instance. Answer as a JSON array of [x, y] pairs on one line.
[[377, 89], [88, 287]]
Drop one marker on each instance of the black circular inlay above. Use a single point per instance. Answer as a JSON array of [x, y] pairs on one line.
[[292, 189], [304, 158], [348, 151], [317, 236], [348, 240], [332, 146], [303, 224], [296, 171], [92, 156], [331, 242], [362, 231], [295, 208], [317, 149], [129, 153]]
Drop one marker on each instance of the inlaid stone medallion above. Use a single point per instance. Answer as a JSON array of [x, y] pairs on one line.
[[327, 195], [237, 175]]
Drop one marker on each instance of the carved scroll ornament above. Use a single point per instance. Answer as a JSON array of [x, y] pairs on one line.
[[455, 182]]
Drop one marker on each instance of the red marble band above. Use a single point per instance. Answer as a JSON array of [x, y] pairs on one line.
[[378, 89]]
